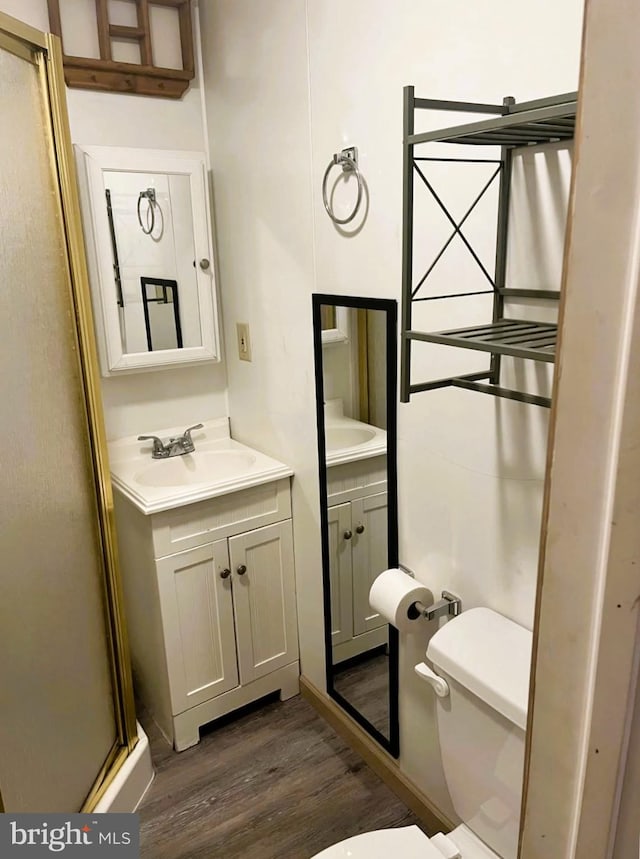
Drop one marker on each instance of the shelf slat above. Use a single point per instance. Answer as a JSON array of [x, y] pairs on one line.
[[538, 125], [517, 338]]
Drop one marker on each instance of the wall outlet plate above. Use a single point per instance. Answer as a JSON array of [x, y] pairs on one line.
[[244, 341]]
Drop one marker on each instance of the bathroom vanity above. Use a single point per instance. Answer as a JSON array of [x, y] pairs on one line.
[[357, 519], [206, 553]]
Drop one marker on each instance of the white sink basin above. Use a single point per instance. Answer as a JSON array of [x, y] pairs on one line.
[[340, 437], [208, 466], [218, 466]]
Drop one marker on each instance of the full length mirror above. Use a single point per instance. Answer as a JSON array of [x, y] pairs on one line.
[[146, 221], [356, 414]]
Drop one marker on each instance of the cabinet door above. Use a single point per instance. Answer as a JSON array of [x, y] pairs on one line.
[[197, 617], [339, 518], [370, 556], [264, 599]]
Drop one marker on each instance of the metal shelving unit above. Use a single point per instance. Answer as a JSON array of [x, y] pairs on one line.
[[511, 126]]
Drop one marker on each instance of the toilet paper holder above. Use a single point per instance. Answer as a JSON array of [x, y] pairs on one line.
[[449, 606]]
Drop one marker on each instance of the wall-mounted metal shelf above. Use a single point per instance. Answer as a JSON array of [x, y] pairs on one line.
[[512, 126], [515, 337]]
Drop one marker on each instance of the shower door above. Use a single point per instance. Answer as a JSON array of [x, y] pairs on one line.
[[63, 674]]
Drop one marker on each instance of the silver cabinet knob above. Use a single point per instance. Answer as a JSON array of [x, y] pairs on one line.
[[241, 570], [359, 529], [204, 264], [224, 574], [347, 535]]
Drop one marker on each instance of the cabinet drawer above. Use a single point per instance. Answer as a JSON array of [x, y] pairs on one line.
[[356, 479], [217, 518]]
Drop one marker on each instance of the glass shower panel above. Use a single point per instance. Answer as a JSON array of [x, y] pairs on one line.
[[57, 717]]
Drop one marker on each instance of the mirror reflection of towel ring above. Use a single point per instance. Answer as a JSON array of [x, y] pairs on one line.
[[150, 196], [348, 160]]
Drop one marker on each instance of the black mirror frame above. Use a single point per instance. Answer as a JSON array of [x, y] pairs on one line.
[[167, 286], [389, 306]]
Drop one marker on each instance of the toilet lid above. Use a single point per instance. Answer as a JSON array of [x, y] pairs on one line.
[[408, 842]]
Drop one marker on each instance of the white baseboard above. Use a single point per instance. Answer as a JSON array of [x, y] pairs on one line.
[[131, 783]]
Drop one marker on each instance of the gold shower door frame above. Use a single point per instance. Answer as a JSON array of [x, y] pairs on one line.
[[44, 51]]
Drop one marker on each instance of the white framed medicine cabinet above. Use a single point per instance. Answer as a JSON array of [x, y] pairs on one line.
[[334, 324], [147, 225]]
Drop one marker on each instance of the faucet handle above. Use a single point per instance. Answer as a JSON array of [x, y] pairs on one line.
[[187, 433], [158, 445]]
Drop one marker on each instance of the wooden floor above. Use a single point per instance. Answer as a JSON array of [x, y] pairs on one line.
[[364, 683], [274, 782]]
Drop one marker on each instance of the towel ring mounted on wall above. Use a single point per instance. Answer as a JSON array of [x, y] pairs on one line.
[[150, 196], [348, 160]]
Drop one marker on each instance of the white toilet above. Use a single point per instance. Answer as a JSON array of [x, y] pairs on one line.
[[485, 660]]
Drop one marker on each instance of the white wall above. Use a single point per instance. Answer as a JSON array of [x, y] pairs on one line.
[[257, 101], [142, 402], [288, 83]]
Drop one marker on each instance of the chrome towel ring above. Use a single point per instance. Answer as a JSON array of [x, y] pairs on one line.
[[348, 160], [150, 196]]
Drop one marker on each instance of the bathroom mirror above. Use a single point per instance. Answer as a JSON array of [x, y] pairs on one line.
[[356, 420], [148, 236]]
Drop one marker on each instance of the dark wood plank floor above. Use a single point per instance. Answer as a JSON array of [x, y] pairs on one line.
[[274, 782], [364, 683]]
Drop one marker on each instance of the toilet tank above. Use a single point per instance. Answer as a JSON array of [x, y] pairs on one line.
[[485, 658]]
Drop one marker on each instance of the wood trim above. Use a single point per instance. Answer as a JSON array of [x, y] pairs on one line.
[[186, 38], [144, 24], [586, 604], [114, 66], [55, 20], [140, 84], [104, 40], [380, 762]]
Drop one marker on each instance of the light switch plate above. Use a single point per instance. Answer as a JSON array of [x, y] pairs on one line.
[[244, 341]]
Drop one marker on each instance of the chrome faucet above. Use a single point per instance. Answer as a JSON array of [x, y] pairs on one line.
[[177, 446]]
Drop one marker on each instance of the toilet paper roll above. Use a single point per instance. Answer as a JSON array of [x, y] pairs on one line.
[[393, 593]]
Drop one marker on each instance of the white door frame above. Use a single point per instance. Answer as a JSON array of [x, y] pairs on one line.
[[583, 681]]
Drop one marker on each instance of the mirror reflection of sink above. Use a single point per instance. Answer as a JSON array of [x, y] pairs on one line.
[[200, 467], [340, 437]]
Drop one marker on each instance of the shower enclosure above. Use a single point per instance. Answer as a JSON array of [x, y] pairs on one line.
[[67, 719]]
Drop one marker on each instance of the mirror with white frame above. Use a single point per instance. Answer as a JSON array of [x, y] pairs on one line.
[[356, 409], [334, 324], [147, 228]]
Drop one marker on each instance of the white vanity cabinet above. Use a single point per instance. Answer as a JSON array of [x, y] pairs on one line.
[[210, 602], [358, 552]]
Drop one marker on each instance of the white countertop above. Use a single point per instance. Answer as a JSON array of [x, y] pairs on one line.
[[219, 465]]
